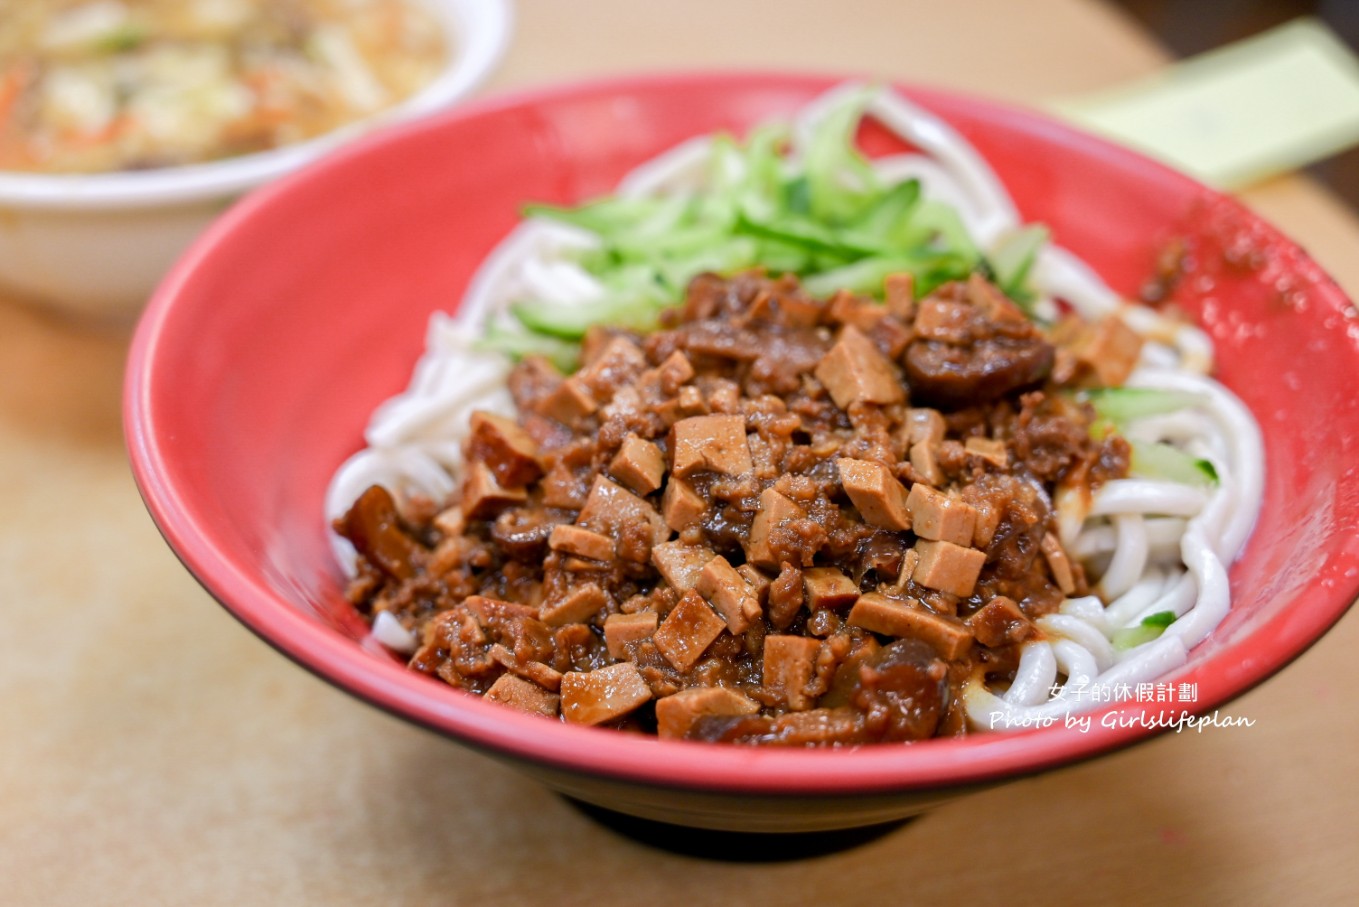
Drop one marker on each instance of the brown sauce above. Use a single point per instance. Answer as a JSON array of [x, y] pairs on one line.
[[778, 520]]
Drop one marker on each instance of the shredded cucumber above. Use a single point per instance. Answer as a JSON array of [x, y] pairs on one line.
[[816, 209], [1149, 628], [571, 322], [840, 181], [1155, 460], [1013, 258], [1117, 407], [1121, 405], [565, 355]]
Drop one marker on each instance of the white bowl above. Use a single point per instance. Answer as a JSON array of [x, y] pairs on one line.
[[96, 245]]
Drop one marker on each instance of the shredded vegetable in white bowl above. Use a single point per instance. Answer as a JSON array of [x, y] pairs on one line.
[[154, 110]]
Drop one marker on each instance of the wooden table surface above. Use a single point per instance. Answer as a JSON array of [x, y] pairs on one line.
[[154, 752]]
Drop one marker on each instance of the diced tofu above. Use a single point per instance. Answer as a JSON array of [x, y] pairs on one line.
[[687, 631], [757, 581], [505, 447], [581, 543], [1064, 366], [681, 506], [524, 695], [1110, 349], [909, 559], [621, 629], [728, 592], [573, 564], [925, 462], [995, 304], [450, 521], [847, 307], [1058, 563], [948, 567], [775, 509], [724, 396], [483, 497], [892, 617], [788, 665], [487, 609], [593, 344], [563, 488], [690, 401], [715, 443], [944, 320], [617, 363], [610, 508], [854, 371], [544, 675], [639, 465], [1000, 622], [989, 449], [761, 308], [924, 425], [899, 294], [603, 694], [680, 563], [797, 310], [533, 380], [891, 337], [579, 605], [675, 371], [988, 521], [826, 587], [449, 554], [880, 498], [935, 515], [676, 714], [569, 403]]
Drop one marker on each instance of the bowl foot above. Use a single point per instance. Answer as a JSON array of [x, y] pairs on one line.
[[733, 846]]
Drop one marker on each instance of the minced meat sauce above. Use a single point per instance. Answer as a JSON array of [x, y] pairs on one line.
[[777, 520]]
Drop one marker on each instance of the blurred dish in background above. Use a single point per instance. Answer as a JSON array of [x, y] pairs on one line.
[[96, 244], [98, 85]]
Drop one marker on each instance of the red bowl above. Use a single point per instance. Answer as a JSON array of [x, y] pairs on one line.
[[259, 360]]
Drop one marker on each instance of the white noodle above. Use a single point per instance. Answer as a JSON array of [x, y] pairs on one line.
[[1130, 555], [1034, 678], [681, 167], [1139, 599], [1147, 496], [1162, 533], [1163, 546], [1081, 632]]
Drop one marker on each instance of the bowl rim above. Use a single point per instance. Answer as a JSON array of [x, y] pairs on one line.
[[749, 771], [480, 30]]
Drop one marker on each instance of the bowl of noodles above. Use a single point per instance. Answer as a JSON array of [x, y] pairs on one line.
[[126, 126], [758, 452]]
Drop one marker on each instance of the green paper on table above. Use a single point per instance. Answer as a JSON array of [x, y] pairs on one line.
[[1232, 116]]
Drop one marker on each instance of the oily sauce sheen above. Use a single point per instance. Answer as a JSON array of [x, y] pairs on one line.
[[777, 520]]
